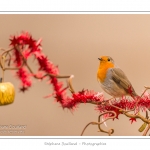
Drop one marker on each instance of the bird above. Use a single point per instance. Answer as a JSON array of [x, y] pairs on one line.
[[113, 80]]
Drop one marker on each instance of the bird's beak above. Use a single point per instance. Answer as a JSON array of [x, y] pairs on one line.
[[99, 58]]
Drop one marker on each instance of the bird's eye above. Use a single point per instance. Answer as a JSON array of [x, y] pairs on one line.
[[108, 59]]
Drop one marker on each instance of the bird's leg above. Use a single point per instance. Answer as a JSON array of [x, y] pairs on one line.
[[107, 101]]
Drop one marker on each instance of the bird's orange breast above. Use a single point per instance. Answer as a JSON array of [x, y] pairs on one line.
[[102, 70]]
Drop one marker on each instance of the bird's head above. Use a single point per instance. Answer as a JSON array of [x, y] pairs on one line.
[[106, 61]]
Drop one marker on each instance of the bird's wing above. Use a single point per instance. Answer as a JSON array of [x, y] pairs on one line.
[[121, 80]]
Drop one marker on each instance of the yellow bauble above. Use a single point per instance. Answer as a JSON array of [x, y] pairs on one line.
[[7, 93]]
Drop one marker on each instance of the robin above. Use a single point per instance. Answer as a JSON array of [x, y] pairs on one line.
[[113, 80]]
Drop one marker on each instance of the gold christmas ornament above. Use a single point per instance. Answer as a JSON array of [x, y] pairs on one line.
[[7, 93]]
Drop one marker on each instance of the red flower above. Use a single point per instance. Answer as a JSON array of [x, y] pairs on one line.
[[83, 96], [130, 90], [23, 75], [117, 113], [27, 46], [17, 59], [132, 120]]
